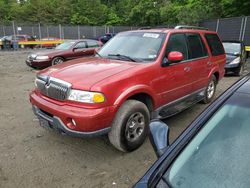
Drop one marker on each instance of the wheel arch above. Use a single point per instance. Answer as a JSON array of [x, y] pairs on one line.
[[140, 93]]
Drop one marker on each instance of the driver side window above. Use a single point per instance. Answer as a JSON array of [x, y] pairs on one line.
[[177, 42], [80, 45]]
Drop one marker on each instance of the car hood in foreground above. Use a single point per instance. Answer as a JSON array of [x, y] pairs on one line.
[[85, 72]]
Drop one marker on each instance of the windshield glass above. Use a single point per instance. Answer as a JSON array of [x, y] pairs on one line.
[[232, 48], [65, 46], [137, 46], [219, 155]]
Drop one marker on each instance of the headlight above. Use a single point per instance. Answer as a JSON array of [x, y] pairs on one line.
[[235, 61], [42, 57], [86, 96]]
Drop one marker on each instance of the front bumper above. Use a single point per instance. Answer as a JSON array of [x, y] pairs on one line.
[[88, 122], [232, 67], [38, 63], [55, 123]]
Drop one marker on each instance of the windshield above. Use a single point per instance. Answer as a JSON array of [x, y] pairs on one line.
[[65, 46], [137, 46], [232, 48], [219, 155]]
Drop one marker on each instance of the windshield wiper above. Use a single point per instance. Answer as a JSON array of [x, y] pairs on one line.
[[96, 53], [123, 57]]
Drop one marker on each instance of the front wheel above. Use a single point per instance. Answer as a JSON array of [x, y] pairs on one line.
[[57, 60], [210, 90], [130, 126]]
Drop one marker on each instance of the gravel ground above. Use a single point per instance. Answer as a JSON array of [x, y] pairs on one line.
[[33, 157]]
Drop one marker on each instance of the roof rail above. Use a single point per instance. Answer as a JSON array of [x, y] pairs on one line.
[[190, 27]]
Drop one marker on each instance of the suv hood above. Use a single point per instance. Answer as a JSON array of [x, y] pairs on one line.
[[85, 72]]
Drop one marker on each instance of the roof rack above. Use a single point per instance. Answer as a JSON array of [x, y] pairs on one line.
[[190, 27]]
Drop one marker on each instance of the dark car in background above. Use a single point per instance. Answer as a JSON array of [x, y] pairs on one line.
[[214, 151], [236, 57], [105, 38], [63, 52]]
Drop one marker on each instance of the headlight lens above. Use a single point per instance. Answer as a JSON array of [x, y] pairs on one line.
[[86, 96], [42, 57], [235, 61]]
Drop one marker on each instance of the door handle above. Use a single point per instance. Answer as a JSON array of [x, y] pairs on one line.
[[209, 62], [187, 69]]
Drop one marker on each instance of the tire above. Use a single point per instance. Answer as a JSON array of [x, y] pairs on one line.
[[131, 119], [210, 90], [57, 60], [240, 71]]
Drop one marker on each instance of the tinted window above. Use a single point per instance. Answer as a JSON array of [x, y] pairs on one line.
[[80, 45], [215, 44], [196, 46], [177, 42], [92, 44]]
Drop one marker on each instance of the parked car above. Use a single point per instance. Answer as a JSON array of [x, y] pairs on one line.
[[14, 39], [49, 39], [136, 76], [236, 57], [212, 152], [63, 52], [105, 38]]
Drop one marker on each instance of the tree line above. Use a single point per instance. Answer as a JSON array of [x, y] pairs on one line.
[[120, 12]]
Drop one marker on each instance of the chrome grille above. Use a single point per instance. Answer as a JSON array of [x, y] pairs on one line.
[[53, 88]]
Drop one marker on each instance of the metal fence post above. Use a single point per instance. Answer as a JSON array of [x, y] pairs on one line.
[[241, 27], [60, 31], [217, 25], [3, 31], [78, 32], [244, 29], [14, 29], [39, 30], [47, 32]]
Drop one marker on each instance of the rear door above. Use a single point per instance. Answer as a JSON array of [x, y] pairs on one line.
[[198, 56], [91, 46], [217, 58], [80, 50]]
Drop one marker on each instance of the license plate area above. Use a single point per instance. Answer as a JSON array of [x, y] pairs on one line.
[[44, 123]]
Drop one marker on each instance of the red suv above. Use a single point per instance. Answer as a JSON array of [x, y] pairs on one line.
[[137, 76]]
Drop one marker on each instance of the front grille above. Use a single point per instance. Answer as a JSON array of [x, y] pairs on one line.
[[53, 88]]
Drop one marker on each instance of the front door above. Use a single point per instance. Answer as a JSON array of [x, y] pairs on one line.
[[176, 77]]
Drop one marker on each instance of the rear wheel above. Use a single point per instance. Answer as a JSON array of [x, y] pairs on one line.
[[130, 126], [57, 60], [210, 90]]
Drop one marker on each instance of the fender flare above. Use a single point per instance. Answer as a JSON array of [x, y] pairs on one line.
[[137, 89]]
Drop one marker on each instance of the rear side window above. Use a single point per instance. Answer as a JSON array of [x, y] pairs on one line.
[[196, 46], [215, 44], [92, 44], [80, 45], [177, 42]]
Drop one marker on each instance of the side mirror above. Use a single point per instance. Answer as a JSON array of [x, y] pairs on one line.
[[159, 136], [175, 57]]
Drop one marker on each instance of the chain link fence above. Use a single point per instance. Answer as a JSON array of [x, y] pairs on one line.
[[59, 31], [237, 28]]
